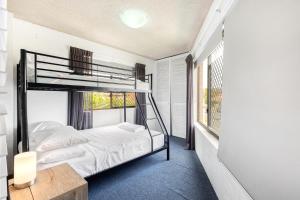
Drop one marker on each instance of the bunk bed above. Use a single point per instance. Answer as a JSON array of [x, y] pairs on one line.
[[43, 72]]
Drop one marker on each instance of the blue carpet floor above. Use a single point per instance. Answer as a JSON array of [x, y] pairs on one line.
[[155, 178]]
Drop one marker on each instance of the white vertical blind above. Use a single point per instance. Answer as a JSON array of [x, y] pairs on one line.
[[3, 60], [2, 125], [3, 19], [3, 164], [163, 91], [3, 40], [3, 146], [3, 187], [3, 168], [2, 78], [3, 131], [178, 95]]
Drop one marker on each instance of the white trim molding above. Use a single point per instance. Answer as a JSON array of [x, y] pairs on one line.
[[216, 14]]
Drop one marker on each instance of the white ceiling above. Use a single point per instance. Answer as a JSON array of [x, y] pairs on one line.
[[172, 28]]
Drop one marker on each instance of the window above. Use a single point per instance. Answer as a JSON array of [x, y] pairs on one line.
[[101, 101], [109, 100], [210, 90]]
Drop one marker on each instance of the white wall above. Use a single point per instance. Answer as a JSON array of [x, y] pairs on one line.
[[41, 39], [111, 117], [259, 140], [33, 37], [53, 106], [216, 14], [47, 106], [224, 183], [226, 186]]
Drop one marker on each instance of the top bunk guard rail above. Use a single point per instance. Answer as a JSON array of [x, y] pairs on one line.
[[62, 58], [57, 73]]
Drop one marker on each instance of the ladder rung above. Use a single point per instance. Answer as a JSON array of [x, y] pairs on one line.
[[151, 118], [145, 104]]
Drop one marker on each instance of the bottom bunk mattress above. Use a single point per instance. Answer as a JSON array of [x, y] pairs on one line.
[[108, 147]]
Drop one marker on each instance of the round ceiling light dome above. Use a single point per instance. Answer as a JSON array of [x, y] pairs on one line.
[[134, 18]]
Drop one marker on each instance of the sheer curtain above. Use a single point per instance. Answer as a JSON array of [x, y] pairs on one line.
[[80, 110]]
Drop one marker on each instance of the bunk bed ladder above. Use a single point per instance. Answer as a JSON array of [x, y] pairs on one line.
[[144, 120], [160, 122], [158, 117]]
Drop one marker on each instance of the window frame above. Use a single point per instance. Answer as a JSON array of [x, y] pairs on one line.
[[207, 126], [110, 105]]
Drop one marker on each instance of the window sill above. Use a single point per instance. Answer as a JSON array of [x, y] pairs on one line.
[[210, 137]]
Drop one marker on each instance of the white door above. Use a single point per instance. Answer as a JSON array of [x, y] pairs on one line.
[[178, 96], [163, 91]]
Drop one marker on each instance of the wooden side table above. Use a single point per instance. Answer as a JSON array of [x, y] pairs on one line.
[[57, 183]]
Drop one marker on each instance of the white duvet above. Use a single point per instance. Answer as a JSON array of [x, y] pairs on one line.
[[108, 147]]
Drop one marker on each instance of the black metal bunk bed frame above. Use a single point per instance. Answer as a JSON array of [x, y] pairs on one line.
[[23, 85]]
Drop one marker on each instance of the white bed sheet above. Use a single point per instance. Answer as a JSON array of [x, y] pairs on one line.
[[84, 165], [110, 146]]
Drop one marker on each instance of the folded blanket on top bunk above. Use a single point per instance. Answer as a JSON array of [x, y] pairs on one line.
[[93, 150]]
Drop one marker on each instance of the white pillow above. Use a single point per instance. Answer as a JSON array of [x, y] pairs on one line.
[[35, 139], [131, 127], [61, 137], [60, 155], [43, 125]]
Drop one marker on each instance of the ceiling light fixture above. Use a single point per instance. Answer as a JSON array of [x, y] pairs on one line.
[[134, 18]]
